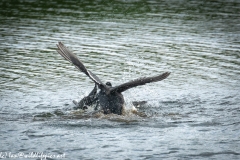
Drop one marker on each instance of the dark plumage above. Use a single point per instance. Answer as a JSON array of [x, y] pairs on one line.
[[88, 100], [109, 98]]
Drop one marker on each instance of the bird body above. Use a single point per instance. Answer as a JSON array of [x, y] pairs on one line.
[[111, 103], [110, 99]]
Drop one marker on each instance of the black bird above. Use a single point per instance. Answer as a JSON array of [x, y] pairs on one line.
[[109, 98]]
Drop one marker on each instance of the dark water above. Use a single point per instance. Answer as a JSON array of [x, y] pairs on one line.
[[193, 114]]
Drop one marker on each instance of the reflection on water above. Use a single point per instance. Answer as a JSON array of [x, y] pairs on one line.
[[193, 114]]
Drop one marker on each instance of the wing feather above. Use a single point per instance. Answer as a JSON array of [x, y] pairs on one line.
[[69, 56], [138, 82]]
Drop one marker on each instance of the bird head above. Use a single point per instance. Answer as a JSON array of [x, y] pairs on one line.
[[109, 84]]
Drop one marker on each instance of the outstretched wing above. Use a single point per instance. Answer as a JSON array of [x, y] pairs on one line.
[[137, 82], [94, 91], [69, 56]]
